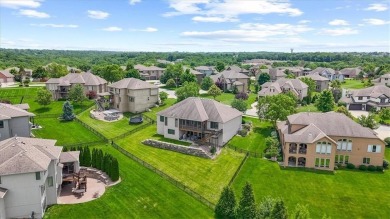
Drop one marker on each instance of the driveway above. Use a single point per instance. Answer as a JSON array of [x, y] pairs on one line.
[[171, 93], [383, 131], [252, 111], [357, 113]]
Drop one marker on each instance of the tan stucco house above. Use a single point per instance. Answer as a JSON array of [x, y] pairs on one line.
[[322, 83], [321, 140], [204, 121], [133, 95], [30, 176], [14, 121], [230, 79], [283, 85], [59, 87]]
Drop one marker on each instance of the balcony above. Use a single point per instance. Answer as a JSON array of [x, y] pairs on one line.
[[191, 128]]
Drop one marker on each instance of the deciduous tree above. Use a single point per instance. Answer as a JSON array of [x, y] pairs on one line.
[[163, 96], [43, 97], [187, 90], [207, 82], [325, 101], [187, 76], [76, 93], [220, 66], [263, 77], [239, 104], [214, 91], [276, 107]]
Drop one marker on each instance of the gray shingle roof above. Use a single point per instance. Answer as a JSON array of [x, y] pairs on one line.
[[6, 73], [199, 109], [332, 124], [132, 84], [25, 155], [85, 78], [375, 91], [275, 72], [192, 71], [278, 84], [231, 74], [352, 72], [321, 70], [309, 134], [69, 156], [8, 111], [315, 77]]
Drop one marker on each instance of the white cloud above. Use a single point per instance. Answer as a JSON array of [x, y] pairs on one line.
[[251, 32], [338, 31], [376, 22], [15, 4], [377, 7], [112, 29], [133, 2], [212, 11], [97, 14], [56, 25], [148, 29], [214, 19], [33, 13], [339, 22], [304, 22]]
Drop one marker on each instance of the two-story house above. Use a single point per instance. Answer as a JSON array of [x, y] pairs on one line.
[[384, 80], [284, 85], [59, 87], [201, 120], [14, 121], [350, 72], [321, 140], [133, 95], [231, 79], [205, 70], [30, 176], [329, 73], [367, 99], [149, 72], [322, 83]]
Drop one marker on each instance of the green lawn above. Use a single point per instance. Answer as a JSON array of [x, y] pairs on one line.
[[205, 176], [141, 194], [152, 114], [307, 108], [387, 153], [65, 132], [168, 140], [255, 141], [346, 194], [108, 129], [352, 84]]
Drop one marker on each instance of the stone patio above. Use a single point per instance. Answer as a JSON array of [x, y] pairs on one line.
[[95, 189]]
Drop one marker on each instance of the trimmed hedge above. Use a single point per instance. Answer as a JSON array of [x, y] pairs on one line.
[[363, 167], [371, 168], [350, 166]]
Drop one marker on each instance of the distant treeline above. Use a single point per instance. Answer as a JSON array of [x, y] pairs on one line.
[[32, 59]]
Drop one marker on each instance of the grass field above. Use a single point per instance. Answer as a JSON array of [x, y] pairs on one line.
[[207, 177], [65, 132], [255, 141], [346, 194], [307, 108], [141, 194], [168, 140], [352, 84]]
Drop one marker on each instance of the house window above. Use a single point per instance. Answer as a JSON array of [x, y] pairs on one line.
[[374, 148], [360, 98], [148, 98], [323, 148], [176, 122], [131, 99], [366, 160], [38, 175], [346, 159], [0, 179], [317, 162], [166, 121], [1, 124], [214, 125], [322, 162], [318, 87], [161, 118], [50, 181], [344, 145], [171, 131]]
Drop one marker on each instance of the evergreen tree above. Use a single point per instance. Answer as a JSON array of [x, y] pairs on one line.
[[325, 101], [67, 110], [226, 205], [279, 210], [76, 93], [93, 159], [114, 170], [247, 205], [87, 157], [81, 156], [265, 208]]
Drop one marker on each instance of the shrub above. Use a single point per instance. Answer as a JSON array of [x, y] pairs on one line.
[[379, 168], [91, 94], [246, 126], [279, 159], [339, 165], [336, 167], [350, 166], [387, 141], [363, 167], [385, 164], [170, 83], [371, 168], [5, 101], [267, 155], [242, 95], [243, 132], [341, 103], [213, 150]]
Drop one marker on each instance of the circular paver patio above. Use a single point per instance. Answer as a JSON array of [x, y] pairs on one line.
[[95, 189]]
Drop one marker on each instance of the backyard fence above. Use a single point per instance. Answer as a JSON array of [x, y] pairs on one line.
[[43, 116], [243, 151], [91, 129], [90, 143], [238, 169], [165, 176], [131, 131]]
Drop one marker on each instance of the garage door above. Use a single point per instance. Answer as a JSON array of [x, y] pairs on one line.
[[355, 107]]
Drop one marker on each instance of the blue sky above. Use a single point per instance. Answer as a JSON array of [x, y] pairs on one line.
[[196, 25]]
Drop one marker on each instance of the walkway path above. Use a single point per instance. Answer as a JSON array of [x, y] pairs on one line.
[[252, 111]]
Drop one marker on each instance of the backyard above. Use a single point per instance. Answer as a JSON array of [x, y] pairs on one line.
[[140, 194], [307, 108], [344, 194], [205, 176], [65, 132], [352, 84]]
